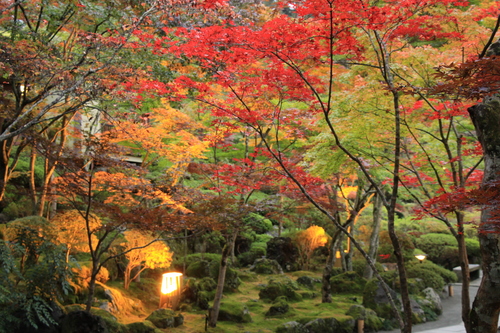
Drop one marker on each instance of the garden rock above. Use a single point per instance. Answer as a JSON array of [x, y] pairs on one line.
[[165, 318], [418, 314], [277, 288], [435, 301], [322, 325], [348, 282], [117, 302], [266, 266], [284, 252], [142, 327], [372, 321], [278, 308], [234, 312], [291, 327], [307, 281], [82, 322], [375, 298]]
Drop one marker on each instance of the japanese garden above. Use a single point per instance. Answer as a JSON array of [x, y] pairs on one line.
[[302, 166]]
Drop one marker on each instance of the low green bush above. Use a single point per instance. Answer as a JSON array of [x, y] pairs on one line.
[[258, 223], [447, 275], [429, 277], [264, 238], [249, 257], [442, 249]]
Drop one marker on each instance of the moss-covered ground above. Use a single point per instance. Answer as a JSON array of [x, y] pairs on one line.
[[145, 294]]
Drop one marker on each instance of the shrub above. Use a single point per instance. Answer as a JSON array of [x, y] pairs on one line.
[[258, 223], [44, 276], [429, 277], [447, 275], [209, 266], [264, 238], [307, 241], [81, 276], [191, 258], [440, 248], [248, 258], [284, 251]]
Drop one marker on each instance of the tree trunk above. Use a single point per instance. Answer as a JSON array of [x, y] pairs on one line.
[[326, 289], [373, 249], [51, 163], [5, 169], [486, 306], [92, 283], [32, 172], [391, 216], [464, 265], [214, 311], [127, 277]]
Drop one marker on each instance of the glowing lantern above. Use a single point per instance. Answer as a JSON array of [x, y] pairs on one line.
[[421, 257], [170, 290]]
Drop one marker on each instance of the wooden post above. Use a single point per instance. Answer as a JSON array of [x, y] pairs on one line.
[[361, 325], [450, 290]]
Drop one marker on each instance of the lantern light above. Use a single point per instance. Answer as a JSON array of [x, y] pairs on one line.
[[421, 257], [170, 290], [170, 282]]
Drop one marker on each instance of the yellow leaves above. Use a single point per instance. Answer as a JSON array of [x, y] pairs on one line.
[[167, 133], [348, 192], [313, 237], [310, 239], [182, 68], [72, 230], [146, 250]]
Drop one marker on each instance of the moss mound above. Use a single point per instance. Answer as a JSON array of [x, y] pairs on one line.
[[280, 287], [279, 307], [235, 312], [348, 282]]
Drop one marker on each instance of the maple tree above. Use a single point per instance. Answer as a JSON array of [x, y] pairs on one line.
[[120, 196], [56, 60], [164, 134], [472, 80], [308, 240], [78, 57], [143, 251], [71, 231]]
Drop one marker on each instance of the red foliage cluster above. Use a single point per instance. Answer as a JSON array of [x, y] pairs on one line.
[[473, 79]]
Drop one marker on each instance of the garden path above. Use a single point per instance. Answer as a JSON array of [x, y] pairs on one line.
[[451, 319]]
